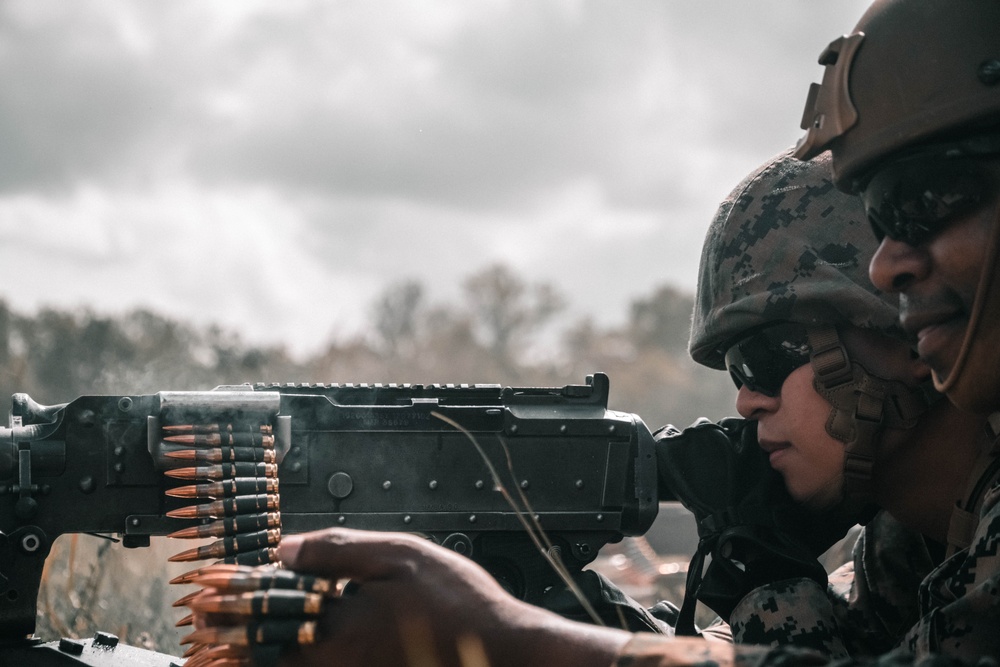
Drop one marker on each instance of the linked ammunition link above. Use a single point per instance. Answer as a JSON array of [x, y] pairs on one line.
[[265, 609], [235, 471]]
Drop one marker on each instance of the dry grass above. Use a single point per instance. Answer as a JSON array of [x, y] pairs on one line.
[[92, 584]]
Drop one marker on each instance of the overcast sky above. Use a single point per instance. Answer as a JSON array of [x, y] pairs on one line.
[[273, 166]]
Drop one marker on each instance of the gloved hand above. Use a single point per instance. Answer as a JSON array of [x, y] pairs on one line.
[[753, 530]]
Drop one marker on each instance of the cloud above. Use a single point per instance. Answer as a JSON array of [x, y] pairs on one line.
[[272, 166]]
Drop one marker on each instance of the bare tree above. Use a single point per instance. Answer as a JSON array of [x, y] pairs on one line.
[[395, 317], [662, 320], [506, 309]]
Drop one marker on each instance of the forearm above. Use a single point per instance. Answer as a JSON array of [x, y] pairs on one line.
[[552, 641], [649, 650], [539, 638], [532, 637]]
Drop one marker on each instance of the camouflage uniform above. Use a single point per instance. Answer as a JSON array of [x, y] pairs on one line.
[[768, 258], [866, 609], [893, 596], [879, 610]]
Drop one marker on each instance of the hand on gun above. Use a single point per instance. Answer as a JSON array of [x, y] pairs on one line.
[[412, 602]]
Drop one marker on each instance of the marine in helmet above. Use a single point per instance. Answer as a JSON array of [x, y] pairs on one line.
[[909, 109], [915, 130], [783, 284]]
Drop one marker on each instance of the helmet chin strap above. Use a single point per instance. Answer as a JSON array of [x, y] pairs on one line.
[[863, 406]]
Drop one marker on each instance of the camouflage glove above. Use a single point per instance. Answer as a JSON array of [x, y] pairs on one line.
[[753, 530]]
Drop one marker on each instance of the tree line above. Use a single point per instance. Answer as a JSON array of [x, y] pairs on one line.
[[492, 334]]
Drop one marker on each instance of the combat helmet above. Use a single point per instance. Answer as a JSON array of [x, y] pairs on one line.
[[912, 71], [916, 75], [787, 246]]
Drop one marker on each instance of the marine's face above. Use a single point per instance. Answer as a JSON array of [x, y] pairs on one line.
[[792, 423], [772, 370], [791, 428], [936, 271]]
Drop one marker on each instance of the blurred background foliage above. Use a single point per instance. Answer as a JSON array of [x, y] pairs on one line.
[[502, 330]]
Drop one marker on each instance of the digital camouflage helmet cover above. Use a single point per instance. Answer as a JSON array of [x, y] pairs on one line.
[[787, 246]]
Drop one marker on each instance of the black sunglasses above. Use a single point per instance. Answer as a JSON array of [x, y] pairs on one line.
[[763, 360], [918, 194], [912, 200]]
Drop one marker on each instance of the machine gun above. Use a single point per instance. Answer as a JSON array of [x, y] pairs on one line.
[[372, 456]]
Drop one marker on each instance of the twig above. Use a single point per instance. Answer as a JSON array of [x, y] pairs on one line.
[[534, 528]]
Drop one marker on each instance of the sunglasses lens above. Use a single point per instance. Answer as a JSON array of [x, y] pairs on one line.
[[912, 200], [765, 359]]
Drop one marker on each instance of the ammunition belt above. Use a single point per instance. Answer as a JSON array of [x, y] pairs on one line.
[[227, 478]]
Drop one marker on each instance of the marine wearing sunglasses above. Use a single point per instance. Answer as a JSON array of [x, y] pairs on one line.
[[861, 401]]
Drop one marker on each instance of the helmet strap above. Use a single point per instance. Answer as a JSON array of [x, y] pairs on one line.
[[863, 405]]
